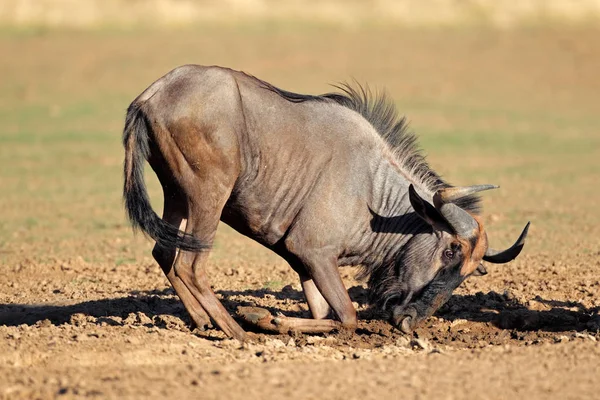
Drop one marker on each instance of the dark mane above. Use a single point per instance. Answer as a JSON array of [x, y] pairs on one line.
[[380, 111]]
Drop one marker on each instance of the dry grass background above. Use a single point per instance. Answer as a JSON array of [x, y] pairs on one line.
[[84, 309], [412, 13]]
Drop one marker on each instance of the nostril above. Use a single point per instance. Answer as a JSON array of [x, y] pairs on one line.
[[406, 325], [403, 318]]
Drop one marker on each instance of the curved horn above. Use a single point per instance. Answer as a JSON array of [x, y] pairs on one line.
[[461, 221], [450, 194], [501, 257]]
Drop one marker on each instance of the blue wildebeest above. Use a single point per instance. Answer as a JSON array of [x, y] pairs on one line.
[[322, 181]]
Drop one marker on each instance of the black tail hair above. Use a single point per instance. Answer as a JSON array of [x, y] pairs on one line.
[[135, 195]]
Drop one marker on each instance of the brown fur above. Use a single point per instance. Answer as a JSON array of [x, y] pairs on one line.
[[473, 253]]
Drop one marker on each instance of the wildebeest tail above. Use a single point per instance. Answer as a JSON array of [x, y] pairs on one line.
[[135, 195]]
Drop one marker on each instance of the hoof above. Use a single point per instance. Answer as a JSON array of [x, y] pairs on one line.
[[254, 315], [203, 327]]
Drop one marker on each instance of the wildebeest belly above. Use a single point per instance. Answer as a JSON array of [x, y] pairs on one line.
[[263, 205]]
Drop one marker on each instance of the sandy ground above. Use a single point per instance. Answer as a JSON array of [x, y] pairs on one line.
[[93, 338], [85, 311]]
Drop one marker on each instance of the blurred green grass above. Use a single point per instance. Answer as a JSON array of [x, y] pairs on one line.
[[518, 108]]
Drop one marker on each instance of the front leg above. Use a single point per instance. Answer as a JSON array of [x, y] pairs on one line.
[[325, 290], [323, 270], [319, 308], [265, 321]]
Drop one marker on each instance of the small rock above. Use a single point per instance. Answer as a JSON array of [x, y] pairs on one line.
[[313, 339], [403, 342], [78, 319], [277, 343], [458, 322], [585, 336], [44, 323], [138, 318], [561, 339], [168, 322], [420, 344]]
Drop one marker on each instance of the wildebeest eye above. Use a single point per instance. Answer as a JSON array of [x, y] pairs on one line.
[[449, 254]]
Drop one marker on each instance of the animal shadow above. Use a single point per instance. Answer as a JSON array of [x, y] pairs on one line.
[[150, 303], [508, 313], [491, 307]]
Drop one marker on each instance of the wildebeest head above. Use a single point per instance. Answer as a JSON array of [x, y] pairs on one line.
[[434, 263]]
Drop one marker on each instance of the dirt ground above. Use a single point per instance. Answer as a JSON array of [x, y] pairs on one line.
[[85, 311]]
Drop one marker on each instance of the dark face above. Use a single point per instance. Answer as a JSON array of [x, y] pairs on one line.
[[434, 263]]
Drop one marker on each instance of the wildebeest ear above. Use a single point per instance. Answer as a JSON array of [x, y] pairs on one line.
[[426, 211]]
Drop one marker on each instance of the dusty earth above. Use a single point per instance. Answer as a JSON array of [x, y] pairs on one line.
[[82, 331], [85, 311]]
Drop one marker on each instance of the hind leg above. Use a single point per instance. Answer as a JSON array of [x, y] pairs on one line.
[[191, 268], [175, 213], [206, 201]]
